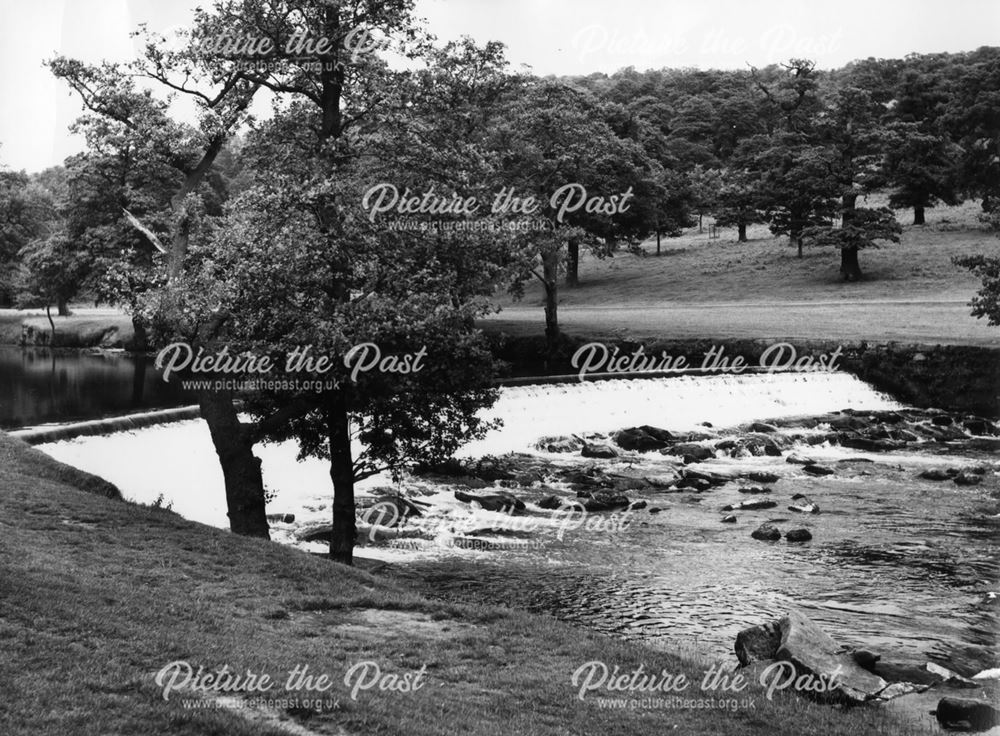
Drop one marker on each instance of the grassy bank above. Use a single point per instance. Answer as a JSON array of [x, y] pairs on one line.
[[700, 287], [98, 595], [85, 329]]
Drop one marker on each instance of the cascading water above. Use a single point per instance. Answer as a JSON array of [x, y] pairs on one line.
[[896, 564]]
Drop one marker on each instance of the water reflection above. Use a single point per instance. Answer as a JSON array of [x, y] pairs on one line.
[[39, 385]]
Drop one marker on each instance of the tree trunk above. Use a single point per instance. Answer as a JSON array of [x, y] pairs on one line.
[[700, 215], [918, 215], [849, 264], [63, 307], [549, 271], [741, 232], [657, 242], [140, 343], [52, 324], [798, 242], [240, 468], [573, 263], [342, 474]]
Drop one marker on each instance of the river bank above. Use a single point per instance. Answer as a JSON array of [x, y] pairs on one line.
[[129, 589]]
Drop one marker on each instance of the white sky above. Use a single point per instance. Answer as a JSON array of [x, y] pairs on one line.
[[552, 36]]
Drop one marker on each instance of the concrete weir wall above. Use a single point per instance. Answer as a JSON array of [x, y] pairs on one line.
[[952, 377]]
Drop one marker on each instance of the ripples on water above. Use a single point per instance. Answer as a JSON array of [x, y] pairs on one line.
[[897, 564]]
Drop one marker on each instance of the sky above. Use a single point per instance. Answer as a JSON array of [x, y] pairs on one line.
[[550, 36]]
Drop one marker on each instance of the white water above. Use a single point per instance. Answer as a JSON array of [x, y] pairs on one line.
[[177, 462]]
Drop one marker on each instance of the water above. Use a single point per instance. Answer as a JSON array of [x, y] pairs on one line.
[[39, 385], [899, 565]]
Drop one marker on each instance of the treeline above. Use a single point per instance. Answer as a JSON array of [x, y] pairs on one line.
[[788, 145]]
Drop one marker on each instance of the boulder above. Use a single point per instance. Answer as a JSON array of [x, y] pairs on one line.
[[804, 505], [799, 460], [655, 509], [550, 503], [729, 519], [763, 477], [692, 450], [941, 420], [559, 444], [694, 483], [979, 426], [391, 511], [500, 501], [760, 445], [715, 479], [758, 643], [961, 714], [606, 502], [865, 659], [936, 474], [813, 652], [814, 469], [766, 533], [755, 489], [753, 505], [281, 518], [798, 535], [600, 450], [643, 439], [762, 427], [866, 443], [966, 479], [951, 678]]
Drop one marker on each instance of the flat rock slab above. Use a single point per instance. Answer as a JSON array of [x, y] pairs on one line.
[[796, 639], [812, 651]]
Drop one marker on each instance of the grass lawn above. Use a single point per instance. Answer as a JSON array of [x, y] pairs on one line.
[[97, 595], [720, 288], [82, 329]]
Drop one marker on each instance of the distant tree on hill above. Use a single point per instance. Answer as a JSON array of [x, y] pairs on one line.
[[866, 228], [922, 167]]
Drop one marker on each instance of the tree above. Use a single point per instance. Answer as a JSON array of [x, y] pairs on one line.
[[52, 271], [738, 201], [26, 212], [797, 185], [552, 145], [972, 116], [866, 228], [922, 167], [986, 302], [221, 87], [351, 283]]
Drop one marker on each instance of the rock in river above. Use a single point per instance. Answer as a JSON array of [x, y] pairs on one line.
[[804, 505], [755, 489], [961, 714], [599, 450], [966, 479], [766, 533], [643, 439], [762, 477], [799, 460], [690, 449], [798, 535], [501, 501], [814, 469], [938, 474], [811, 651], [757, 503]]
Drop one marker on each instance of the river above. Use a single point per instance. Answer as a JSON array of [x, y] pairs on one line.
[[897, 564]]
